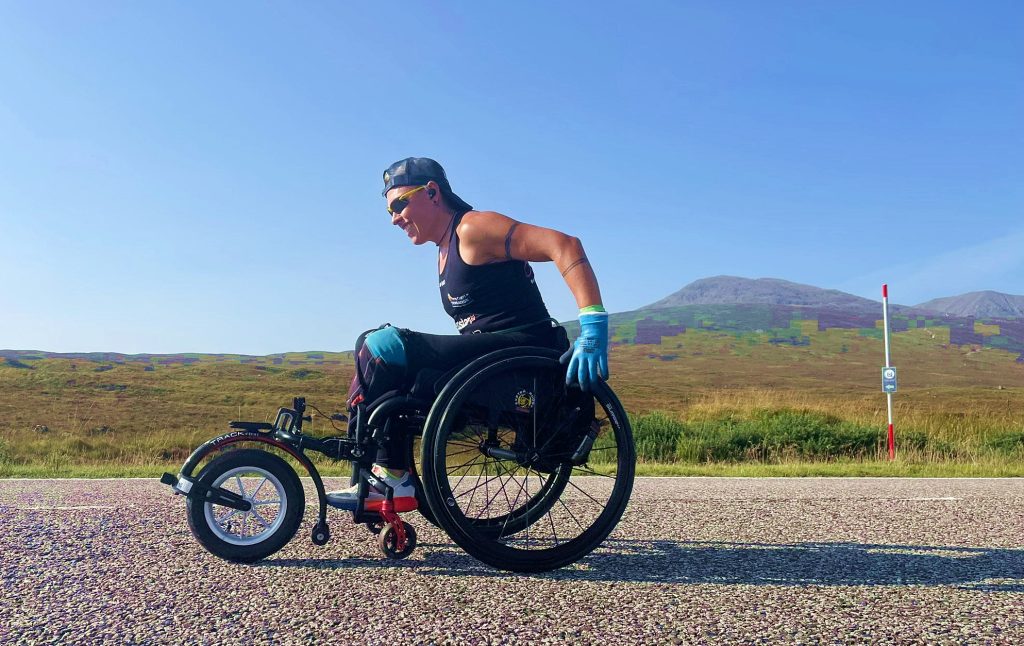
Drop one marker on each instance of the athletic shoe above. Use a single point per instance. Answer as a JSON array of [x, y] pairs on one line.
[[405, 493]]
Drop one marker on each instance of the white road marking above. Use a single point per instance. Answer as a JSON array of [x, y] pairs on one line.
[[64, 508]]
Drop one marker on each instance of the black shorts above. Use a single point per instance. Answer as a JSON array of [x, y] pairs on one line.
[[445, 351]]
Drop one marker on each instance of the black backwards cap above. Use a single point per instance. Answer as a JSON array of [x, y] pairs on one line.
[[417, 171]]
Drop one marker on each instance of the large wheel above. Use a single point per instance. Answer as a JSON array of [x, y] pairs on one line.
[[278, 500], [498, 465]]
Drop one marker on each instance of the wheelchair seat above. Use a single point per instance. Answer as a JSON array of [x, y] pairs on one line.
[[428, 382]]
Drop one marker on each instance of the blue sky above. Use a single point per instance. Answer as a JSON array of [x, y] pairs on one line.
[[205, 177]]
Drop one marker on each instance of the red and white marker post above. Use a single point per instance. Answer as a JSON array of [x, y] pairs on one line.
[[888, 372]]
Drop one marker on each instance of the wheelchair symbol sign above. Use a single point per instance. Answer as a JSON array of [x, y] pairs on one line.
[[888, 380]]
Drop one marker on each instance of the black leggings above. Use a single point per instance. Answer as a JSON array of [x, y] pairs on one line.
[[445, 351]]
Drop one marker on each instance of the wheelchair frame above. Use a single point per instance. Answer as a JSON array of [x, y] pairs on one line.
[[368, 426]]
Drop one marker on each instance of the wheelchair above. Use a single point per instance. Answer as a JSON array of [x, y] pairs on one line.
[[522, 472]]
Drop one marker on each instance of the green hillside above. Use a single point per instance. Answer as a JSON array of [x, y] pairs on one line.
[[795, 325], [709, 388]]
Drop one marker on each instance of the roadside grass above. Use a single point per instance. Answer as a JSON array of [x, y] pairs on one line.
[[714, 440], [897, 469], [775, 436], [723, 407]]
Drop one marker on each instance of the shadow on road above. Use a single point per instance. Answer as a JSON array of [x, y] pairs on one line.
[[661, 561]]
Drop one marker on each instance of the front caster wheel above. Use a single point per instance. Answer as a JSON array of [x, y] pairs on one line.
[[387, 539], [321, 534], [374, 528]]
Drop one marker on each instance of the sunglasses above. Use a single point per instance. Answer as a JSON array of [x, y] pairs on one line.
[[399, 203]]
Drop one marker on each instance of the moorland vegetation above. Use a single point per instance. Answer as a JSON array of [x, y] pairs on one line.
[[734, 397]]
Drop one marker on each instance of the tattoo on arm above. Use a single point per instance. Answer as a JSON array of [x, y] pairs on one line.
[[574, 265], [508, 241]]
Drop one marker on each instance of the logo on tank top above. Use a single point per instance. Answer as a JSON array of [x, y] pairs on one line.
[[460, 301], [529, 271], [461, 323]]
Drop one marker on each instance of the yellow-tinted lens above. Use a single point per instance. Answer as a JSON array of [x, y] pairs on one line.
[[399, 203]]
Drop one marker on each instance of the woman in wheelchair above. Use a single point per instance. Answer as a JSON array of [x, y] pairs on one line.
[[487, 286], [524, 463]]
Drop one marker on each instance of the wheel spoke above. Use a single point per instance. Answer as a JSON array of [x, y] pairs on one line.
[[469, 450], [257, 492], [266, 502], [260, 519], [487, 486], [509, 516], [465, 465], [554, 532], [527, 483], [474, 489], [534, 444], [475, 428], [593, 473], [502, 490], [572, 515], [241, 489], [585, 493], [469, 505]]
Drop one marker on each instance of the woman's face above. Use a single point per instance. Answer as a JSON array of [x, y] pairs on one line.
[[416, 217]]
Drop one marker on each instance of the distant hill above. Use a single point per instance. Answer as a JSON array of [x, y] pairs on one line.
[[732, 290], [782, 312], [986, 304], [17, 358]]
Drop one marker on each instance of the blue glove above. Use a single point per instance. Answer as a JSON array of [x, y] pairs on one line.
[[589, 352]]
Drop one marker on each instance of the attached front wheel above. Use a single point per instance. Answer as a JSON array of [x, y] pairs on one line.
[[273, 489]]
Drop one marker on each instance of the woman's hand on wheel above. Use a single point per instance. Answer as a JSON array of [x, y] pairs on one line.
[[588, 356]]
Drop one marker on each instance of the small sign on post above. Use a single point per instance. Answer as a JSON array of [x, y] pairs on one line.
[[889, 380], [888, 373]]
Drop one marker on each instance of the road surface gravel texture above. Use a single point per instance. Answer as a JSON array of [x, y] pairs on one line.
[[694, 560]]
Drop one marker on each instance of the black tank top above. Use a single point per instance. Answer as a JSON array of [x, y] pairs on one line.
[[488, 298]]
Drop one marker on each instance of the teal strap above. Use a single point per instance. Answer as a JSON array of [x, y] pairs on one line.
[[387, 345]]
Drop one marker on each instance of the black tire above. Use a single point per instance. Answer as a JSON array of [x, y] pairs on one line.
[[286, 516], [501, 536], [387, 541]]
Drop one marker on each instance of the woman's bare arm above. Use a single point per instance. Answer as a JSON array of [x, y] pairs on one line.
[[484, 234]]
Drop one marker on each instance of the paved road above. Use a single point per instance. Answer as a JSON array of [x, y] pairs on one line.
[[694, 560]]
